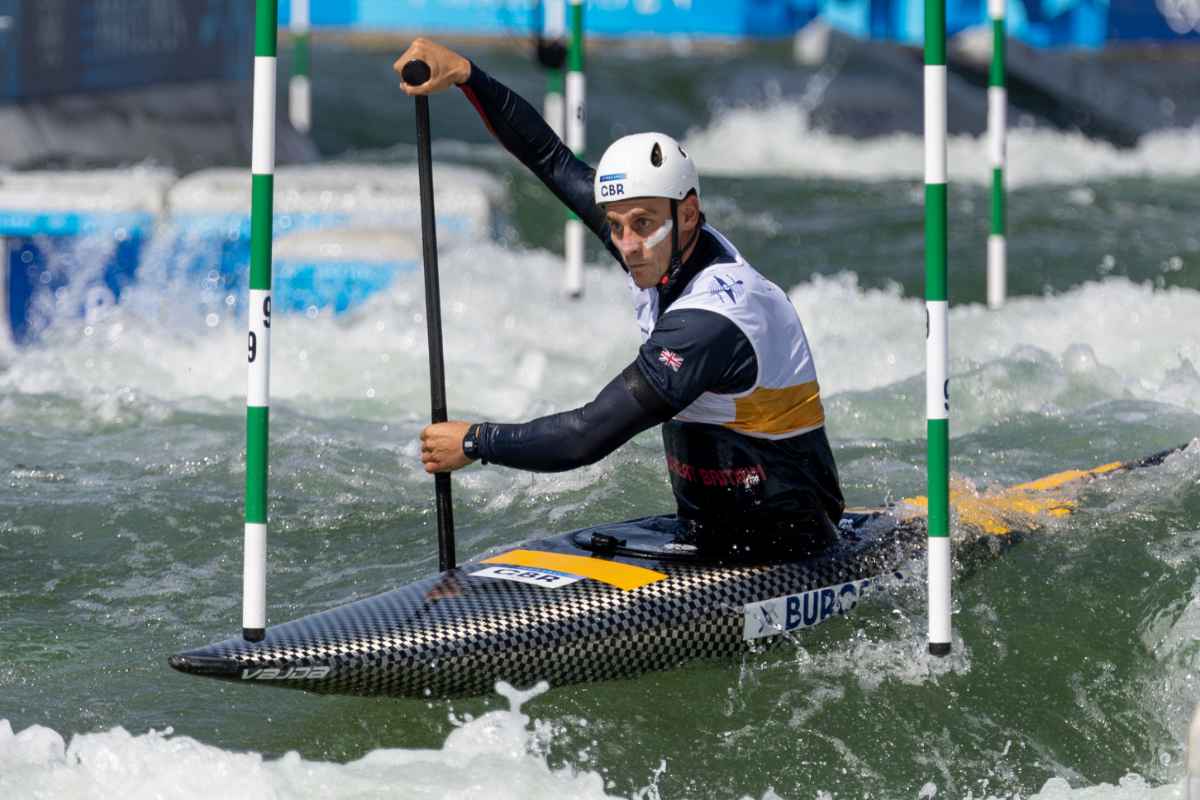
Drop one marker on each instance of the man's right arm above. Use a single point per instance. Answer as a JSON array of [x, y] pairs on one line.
[[691, 351], [523, 132], [516, 125], [624, 408]]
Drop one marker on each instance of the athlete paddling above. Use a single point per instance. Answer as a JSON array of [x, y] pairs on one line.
[[724, 367]]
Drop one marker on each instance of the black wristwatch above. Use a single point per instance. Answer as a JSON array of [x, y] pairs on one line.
[[470, 443]]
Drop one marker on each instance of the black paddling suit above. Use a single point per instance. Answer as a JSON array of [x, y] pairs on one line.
[[724, 368]]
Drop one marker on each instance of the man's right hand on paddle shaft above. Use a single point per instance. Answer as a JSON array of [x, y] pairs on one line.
[[446, 67]]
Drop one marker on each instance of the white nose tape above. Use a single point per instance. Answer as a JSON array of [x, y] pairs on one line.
[[655, 238]]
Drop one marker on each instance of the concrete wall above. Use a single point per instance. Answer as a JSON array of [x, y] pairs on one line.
[[53, 47]]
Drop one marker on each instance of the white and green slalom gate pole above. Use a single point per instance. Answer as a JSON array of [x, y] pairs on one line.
[[997, 266], [1191, 788], [300, 88], [937, 378], [554, 26], [576, 127], [254, 575]]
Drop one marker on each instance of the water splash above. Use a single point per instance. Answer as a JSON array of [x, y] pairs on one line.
[[780, 139], [493, 757]]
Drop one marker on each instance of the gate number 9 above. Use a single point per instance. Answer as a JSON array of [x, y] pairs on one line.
[[253, 340]]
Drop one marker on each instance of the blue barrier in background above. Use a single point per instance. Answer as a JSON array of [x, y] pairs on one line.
[[51, 48], [51, 252], [521, 18], [97, 256], [1042, 23], [1162, 20]]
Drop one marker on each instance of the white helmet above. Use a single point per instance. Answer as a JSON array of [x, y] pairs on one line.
[[645, 165]]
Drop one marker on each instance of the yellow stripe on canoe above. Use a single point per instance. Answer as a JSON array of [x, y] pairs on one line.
[[997, 514], [614, 573], [1067, 476], [1017, 506]]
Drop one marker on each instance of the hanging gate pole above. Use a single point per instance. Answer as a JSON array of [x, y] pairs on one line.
[[300, 88], [937, 368], [577, 141], [553, 30], [997, 256], [262, 181]]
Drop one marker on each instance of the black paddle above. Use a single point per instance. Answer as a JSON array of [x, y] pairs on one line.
[[416, 73]]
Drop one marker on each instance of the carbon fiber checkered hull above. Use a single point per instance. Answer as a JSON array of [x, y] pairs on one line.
[[460, 632]]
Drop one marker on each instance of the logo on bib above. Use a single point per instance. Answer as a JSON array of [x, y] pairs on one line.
[[727, 287], [671, 359]]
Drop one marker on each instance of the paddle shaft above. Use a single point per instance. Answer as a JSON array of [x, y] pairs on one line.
[[415, 73]]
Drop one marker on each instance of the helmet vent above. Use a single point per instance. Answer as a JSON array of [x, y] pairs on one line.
[[681, 151], [656, 155]]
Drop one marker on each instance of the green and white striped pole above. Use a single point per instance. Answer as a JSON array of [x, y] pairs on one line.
[[997, 259], [1191, 786], [937, 352], [576, 140], [554, 26], [254, 574], [300, 88]]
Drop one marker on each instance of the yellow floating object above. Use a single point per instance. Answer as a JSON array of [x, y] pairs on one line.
[[1020, 505]]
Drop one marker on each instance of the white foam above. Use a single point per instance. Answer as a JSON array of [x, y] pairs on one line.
[[780, 139], [510, 339], [515, 349], [497, 756], [1129, 787], [494, 757], [900, 656], [1098, 341]]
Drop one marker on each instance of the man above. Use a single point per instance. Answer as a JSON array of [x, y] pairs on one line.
[[725, 366]]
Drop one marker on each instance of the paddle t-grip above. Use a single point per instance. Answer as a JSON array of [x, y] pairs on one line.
[[415, 72]]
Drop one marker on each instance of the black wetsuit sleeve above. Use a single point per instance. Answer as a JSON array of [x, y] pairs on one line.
[[624, 408], [693, 351], [523, 132]]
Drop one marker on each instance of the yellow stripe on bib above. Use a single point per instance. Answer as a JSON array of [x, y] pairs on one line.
[[614, 573], [779, 411]]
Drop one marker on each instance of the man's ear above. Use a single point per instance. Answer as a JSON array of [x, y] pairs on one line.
[[689, 212]]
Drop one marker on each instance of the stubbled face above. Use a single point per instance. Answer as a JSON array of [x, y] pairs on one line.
[[638, 232]]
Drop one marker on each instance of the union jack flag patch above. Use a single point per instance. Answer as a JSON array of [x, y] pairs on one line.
[[671, 359]]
